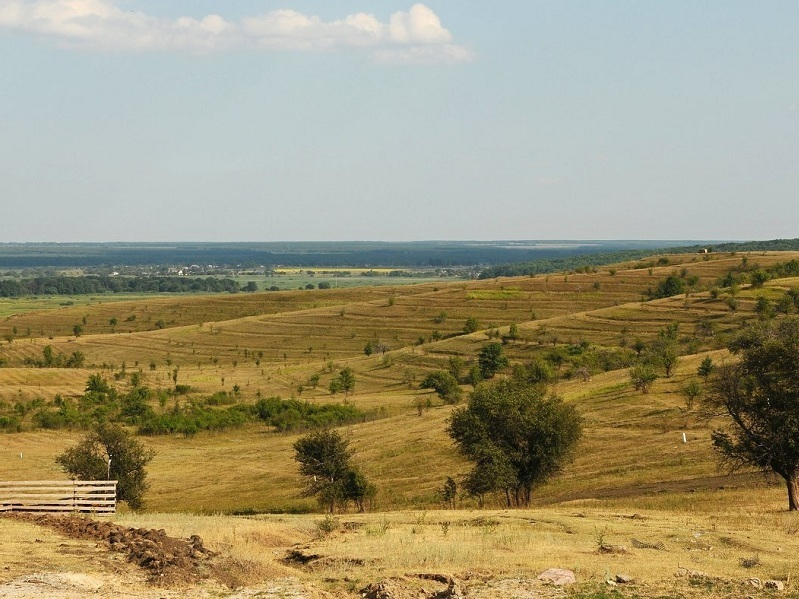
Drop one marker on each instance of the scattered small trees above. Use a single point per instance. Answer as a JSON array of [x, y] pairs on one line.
[[50, 359], [324, 459], [374, 346], [760, 396], [110, 451], [517, 436]]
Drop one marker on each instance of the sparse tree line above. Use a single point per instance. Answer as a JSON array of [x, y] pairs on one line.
[[517, 434], [589, 262], [102, 403], [752, 274], [91, 284], [514, 431], [51, 359], [577, 263]]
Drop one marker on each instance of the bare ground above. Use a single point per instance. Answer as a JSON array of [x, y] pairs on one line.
[[76, 556]]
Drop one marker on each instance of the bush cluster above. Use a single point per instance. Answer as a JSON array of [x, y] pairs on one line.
[[101, 403]]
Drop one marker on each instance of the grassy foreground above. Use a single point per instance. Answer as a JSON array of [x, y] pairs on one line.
[[706, 544]]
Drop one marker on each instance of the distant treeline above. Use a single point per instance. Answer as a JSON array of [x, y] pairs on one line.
[[425, 254], [602, 258], [84, 285], [537, 267], [774, 245]]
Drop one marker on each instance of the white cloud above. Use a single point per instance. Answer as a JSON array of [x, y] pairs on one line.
[[419, 25], [408, 37]]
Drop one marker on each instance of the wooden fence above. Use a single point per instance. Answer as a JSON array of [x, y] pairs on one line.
[[90, 496]]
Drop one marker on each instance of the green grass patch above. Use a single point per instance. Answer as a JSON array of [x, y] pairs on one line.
[[498, 294]]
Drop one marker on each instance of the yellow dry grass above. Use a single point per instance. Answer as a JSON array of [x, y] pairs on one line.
[[713, 532], [633, 459], [632, 441]]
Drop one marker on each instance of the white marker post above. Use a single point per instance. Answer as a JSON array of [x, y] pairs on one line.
[[684, 439]]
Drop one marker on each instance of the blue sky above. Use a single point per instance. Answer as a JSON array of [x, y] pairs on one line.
[[159, 120]]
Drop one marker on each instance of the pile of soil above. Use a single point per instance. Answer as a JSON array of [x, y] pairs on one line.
[[166, 559]]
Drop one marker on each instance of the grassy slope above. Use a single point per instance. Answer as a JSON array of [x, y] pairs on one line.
[[633, 443]]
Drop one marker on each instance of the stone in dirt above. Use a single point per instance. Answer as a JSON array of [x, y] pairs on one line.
[[557, 576], [410, 587], [776, 585]]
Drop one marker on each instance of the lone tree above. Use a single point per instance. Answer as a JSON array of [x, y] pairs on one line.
[[471, 325], [706, 368], [444, 384], [642, 376], [760, 395], [491, 360], [517, 436], [324, 459], [345, 381], [89, 460]]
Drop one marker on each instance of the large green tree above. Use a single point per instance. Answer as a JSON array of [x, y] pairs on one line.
[[325, 462], [759, 395], [110, 451], [517, 436]]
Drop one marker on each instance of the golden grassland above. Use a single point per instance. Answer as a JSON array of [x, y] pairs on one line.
[[632, 461], [721, 536], [630, 441]]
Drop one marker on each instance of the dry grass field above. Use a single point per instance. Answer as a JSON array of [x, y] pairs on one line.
[[645, 468]]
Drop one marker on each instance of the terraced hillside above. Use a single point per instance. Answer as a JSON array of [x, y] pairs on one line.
[[293, 343]]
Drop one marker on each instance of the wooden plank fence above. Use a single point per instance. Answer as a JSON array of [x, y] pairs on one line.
[[89, 496]]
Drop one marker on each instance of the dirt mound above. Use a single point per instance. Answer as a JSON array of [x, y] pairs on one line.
[[167, 560], [414, 586], [472, 585]]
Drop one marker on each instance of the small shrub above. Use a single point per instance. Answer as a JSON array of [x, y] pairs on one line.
[[327, 525]]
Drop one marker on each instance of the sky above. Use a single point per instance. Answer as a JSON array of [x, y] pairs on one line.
[[388, 120]]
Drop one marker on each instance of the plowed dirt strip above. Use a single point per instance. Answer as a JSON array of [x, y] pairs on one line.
[[167, 560]]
